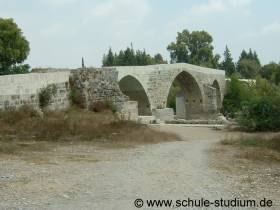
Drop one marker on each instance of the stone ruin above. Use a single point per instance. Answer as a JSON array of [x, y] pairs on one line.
[[139, 92]]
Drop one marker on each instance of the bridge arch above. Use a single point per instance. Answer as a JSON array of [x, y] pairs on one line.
[[186, 95], [218, 94], [132, 87]]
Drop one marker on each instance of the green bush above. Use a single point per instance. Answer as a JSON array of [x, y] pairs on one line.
[[76, 98], [261, 114], [46, 94], [237, 94]]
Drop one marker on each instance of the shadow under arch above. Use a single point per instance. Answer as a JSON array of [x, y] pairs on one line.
[[185, 96], [218, 94], [131, 87]]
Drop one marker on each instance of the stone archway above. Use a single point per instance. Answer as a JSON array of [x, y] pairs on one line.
[[131, 87], [188, 97]]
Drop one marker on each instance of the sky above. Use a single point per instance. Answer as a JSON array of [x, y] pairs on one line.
[[61, 32]]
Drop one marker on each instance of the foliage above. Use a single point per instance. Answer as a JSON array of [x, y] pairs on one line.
[[258, 104], [228, 64], [248, 65], [271, 72], [248, 69], [129, 57], [237, 94], [261, 114], [194, 48], [76, 97], [46, 94], [14, 48]]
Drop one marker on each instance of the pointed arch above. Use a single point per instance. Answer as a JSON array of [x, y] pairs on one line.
[[132, 87], [188, 97]]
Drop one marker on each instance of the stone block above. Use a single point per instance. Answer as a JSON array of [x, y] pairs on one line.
[[166, 114]]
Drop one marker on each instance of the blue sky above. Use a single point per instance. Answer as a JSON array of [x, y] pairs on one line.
[[60, 32]]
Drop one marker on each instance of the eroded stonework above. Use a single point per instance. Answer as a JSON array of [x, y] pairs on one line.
[[135, 90], [202, 92]]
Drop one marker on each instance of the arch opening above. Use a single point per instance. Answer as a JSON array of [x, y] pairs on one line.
[[218, 95], [185, 97], [132, 88]]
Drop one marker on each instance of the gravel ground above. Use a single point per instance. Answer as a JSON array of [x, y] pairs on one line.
[[85, 176]]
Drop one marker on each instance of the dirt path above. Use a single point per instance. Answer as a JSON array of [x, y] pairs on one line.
[[89, 177]]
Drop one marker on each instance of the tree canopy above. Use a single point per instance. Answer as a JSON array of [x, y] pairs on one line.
[[14, 48], [271, 72], [248, 65], [194, 48], [228, 64], [129, 57]]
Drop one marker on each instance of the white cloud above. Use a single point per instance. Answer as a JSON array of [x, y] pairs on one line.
[[267, 30], [123, 10], [213, 6], [58, 3], [57, 30], [271, 28]]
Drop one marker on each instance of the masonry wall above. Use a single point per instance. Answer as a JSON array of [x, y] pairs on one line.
[[23, 89], [97, 85], [94, 85]]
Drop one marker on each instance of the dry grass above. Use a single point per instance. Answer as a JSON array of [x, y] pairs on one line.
[[256, 147], [22, 129]]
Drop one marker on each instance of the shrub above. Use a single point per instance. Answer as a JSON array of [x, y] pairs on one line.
[[237, 94], [76, 98], [261, 114], [75, 95], [46, 94]]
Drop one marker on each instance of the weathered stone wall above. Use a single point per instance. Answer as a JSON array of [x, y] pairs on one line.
[[94, 85], [23, 89], [211, 98], [202, 92], [101, 85], [97, 85]]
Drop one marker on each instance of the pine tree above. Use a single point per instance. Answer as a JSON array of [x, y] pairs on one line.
[[131, 58], [248, 65], [228, 64], [109, 59]]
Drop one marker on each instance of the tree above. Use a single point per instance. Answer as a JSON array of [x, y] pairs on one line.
[[237, 93], [248, 68], [159, 59], [109, 59], [14, 48], [194, 48], [271, 72], [248, 65], [227, 63], [131, 58]]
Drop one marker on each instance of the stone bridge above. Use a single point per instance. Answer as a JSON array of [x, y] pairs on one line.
[[143, 90], [201, 90]]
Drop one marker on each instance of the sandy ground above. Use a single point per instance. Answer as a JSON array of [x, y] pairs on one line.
[[85, 176]]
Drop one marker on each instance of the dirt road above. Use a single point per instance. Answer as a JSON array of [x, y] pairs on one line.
[[83, 176]]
